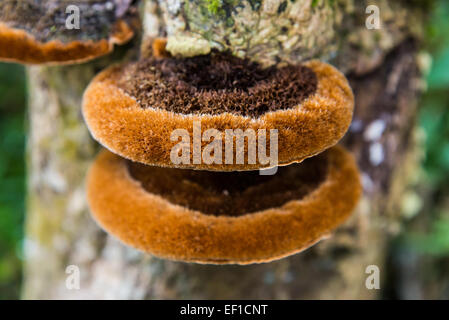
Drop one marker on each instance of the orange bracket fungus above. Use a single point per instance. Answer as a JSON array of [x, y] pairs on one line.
[[220, 212], [62, 32], [223, 217], [140, 110]]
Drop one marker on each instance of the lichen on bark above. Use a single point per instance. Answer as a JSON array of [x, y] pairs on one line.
[[266, 31], [273, 31]]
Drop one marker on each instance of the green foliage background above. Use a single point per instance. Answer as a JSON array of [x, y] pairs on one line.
[[12, 176], [426, 236], [422, 249], [434, 120]]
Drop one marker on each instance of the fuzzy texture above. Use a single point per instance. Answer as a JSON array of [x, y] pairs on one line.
[[152, 224], [119, 123], [214, 84], [17, 45]]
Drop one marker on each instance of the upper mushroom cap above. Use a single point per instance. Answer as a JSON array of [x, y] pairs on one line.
[[223, 218], [132, 109], [35, 31]]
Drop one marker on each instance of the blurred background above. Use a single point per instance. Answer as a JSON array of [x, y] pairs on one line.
[[12, 177], [418, 263]]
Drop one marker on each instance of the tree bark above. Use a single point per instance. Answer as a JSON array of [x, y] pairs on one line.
[[384, 69]]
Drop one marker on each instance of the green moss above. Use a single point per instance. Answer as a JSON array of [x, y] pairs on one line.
[[214, 6]]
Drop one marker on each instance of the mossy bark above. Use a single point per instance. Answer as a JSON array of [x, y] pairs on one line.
[[383, 67]]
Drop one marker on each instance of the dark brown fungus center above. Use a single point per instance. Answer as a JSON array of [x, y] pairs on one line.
[[214, 84], [232, 193]]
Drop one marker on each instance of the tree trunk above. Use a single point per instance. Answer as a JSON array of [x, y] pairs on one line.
[[383, 67]]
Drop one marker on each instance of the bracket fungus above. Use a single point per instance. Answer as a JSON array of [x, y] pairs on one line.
[[222, 217], [132, 109], [36, 31], [219, 212]]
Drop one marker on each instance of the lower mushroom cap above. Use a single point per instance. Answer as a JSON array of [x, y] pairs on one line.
[[17, 45], [152, 221], [143, 133]]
